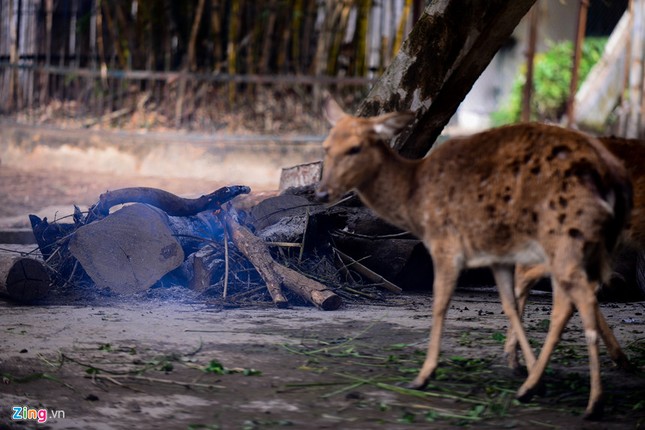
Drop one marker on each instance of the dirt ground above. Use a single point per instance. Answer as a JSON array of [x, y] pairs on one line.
[[159, 364]]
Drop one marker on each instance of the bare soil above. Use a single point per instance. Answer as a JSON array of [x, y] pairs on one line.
[[163, 364]]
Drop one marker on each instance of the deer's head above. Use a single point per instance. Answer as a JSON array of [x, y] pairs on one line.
[[354, 149]]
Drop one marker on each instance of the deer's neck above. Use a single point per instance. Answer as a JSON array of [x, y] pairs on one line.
[[388, 192]]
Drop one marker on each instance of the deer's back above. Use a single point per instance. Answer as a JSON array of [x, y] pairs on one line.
[[507, 188]]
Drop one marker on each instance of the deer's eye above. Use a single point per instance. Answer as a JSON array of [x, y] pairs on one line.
[[354, 150]]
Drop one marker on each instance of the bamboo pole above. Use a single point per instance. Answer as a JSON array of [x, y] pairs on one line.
[[283, 49], [216, 34], [527, 92], [109, 23], [403, 23], [336, 36], [296, 29], [324, 13], [192, 42], [265, 53], [231, 50], [13, 54], [361, 36], [100, 42], [44, 84]]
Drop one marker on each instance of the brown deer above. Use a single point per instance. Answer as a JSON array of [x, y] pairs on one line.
[[524, 194], [632, 153]]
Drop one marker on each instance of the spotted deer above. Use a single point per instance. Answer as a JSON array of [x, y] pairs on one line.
[[632, 153], [523, 194]]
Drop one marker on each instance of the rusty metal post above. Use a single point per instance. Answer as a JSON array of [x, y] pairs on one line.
[[527, 91], [577, 53]]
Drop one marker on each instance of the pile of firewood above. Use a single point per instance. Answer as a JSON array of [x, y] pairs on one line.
[[228, 247]]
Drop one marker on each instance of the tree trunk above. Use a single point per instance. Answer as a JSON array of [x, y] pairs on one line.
[[444, 54]]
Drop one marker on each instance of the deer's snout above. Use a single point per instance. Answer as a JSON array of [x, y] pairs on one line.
[[322, 195]]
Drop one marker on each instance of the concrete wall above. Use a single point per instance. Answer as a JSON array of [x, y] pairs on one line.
[[245, 159]]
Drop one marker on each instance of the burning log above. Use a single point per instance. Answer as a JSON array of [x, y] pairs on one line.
[[274, 274], [203, 264], [131, 249], [23, 279]]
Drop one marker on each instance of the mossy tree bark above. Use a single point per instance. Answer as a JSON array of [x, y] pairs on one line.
[[444, 54]]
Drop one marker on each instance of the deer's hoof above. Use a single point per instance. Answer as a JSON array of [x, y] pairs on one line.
[[594, 411], [417, 384], [519, 371], [525, 395], [623, 363]]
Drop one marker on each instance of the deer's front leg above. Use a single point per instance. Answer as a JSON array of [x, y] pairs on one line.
[[444, 284]]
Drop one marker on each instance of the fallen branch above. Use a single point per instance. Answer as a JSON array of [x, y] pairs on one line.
[[365, 271], [186, 384], [258, 254], [310, 290], [274, 274]]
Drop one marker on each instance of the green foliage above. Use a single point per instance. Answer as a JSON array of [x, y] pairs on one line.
[[218, 368], [499, 337], [551, 80]]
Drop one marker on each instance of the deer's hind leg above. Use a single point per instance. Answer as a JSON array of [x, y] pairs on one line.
[[571, 285], [525, 278], [613, 347], [504, 279], [560, 315], [587, 305]]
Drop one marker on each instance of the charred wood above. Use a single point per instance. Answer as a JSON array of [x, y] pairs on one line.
[[170, 203], [274, 274], [23, 279]]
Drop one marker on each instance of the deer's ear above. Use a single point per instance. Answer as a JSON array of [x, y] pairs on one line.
[[333, 112], [390, 124]]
